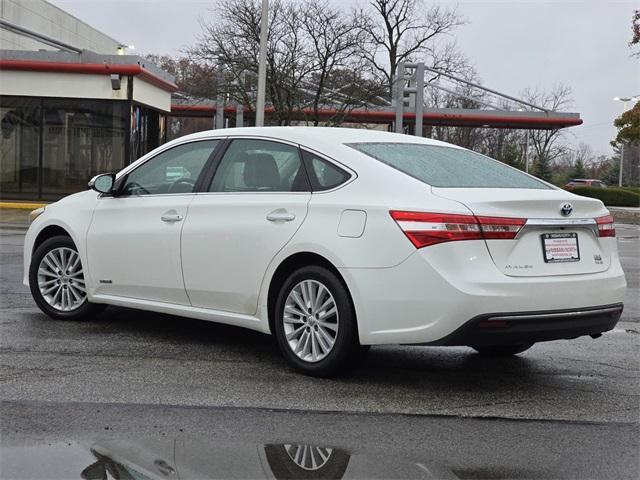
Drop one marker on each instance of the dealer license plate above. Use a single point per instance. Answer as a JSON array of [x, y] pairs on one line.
[[560, 247]]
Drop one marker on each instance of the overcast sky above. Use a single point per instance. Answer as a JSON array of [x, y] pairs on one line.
[[513, 44]]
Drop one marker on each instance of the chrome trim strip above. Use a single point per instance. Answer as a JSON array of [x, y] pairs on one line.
[[546, 223], [538, 316], [561, 221]]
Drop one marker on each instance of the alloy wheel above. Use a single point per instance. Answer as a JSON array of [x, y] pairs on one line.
[[308, 457], [311, 321], [61, 279]]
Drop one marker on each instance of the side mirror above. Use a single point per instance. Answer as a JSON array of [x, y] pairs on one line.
[[103, 183]]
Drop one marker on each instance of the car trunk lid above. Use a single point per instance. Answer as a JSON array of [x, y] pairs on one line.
[[550, 242]]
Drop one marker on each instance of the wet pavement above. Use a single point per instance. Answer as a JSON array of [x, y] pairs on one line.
[[55, 440], [153, 396]]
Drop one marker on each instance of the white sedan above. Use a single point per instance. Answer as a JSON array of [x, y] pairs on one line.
[[332, 240]]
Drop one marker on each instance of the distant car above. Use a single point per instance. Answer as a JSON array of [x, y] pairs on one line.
[[332, 240], [584, 182]]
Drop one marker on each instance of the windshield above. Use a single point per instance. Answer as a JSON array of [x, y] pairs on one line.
[[448, 167]]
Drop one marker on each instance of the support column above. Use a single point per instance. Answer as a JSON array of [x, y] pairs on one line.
[[621, 163], [526, 152], [239, 115], [398, 91], [219, 112], [419, 98]]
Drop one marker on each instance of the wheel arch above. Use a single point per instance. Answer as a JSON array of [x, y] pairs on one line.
[[287, 267], [48, 232]]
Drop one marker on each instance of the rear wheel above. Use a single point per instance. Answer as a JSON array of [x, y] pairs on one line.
[[501, 350], [315, 323], [306, 461], [56, 280]]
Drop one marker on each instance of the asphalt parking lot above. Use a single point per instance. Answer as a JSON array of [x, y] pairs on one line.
[[566, 409]]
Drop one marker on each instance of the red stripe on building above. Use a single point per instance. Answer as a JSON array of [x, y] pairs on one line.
[[429, 118]]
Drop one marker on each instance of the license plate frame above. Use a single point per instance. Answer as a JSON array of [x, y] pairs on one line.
[[563, 243]]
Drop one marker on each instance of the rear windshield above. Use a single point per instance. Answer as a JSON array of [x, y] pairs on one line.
[[448, 167]]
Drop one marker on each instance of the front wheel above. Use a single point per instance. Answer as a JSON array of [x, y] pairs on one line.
[[315, 323], [501, 350], [56, 280]]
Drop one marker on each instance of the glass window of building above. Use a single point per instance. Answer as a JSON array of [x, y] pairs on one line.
[[19, 148]]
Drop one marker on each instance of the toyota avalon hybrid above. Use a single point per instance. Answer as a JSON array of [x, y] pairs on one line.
[[332, 240]]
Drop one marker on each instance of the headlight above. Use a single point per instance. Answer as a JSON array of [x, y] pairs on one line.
[[35, 214]]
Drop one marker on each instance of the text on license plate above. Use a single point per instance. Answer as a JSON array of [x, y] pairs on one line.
[[560, 247]]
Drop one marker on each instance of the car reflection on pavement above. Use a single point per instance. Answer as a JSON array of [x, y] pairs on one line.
[[168, 459]]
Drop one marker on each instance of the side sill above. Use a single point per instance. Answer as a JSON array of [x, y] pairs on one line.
[[218, 316]]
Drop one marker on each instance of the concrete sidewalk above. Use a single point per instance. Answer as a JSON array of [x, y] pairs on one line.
[[630, 215]]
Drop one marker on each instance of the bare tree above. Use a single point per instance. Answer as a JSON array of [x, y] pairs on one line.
[[465, 96], [335, 42], [403, 30], [576, 161], [192, 77], [547, 144], [232, 43], [308, 44]]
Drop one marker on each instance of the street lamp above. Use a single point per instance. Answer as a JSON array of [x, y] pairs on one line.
[[262, 64], [624, 101]]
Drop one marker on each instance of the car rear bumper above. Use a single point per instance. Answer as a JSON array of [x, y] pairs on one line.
[[437, 290], [529, 327]]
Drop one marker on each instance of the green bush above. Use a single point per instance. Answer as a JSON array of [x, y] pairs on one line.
[[612, 196], [632, 189]]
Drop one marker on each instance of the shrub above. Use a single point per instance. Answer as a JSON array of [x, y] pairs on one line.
[[612, 196]]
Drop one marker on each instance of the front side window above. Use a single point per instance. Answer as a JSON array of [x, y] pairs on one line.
[[260, 166], [440, 166], [323, 175], [172, 171]]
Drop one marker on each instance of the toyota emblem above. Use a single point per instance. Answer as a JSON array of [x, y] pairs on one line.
[[566, 209]]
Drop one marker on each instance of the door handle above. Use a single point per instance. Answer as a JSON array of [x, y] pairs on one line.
[[171, 217], [164, 468], [280, 215]]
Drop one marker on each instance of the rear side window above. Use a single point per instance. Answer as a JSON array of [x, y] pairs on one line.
[[322, 174], [448, 167]]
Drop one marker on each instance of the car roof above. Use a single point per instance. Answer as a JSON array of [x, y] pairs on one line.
[[316, 137], [329, 141]]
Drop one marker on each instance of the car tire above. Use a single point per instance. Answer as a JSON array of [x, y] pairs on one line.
[[300, 462], [501, 350], [326, 328], [59, 293]]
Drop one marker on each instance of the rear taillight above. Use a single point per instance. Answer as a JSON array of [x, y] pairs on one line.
[[424, 229], [605, 226], [497, 228]]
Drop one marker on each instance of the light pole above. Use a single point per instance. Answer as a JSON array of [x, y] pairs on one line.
[[624, 101], [526, 152], [262, 64]]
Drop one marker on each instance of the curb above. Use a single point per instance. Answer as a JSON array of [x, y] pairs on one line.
[[22, 205]]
